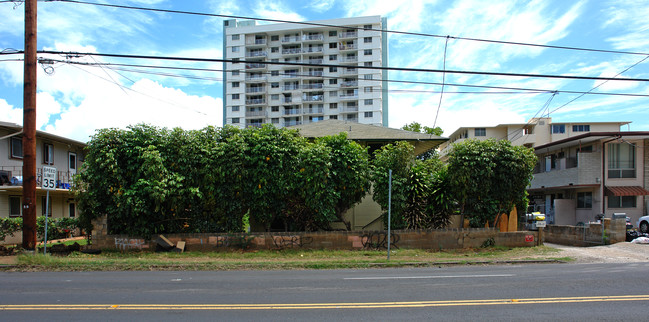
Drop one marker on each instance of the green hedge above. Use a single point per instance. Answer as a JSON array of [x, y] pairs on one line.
[[56, 228]]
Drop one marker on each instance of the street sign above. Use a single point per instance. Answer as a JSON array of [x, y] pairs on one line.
[[49, 178], [540, 224]]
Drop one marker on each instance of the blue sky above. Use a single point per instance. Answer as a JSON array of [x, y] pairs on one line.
[[76, 100]]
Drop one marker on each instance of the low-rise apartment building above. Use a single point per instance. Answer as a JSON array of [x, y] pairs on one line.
[[585, 170], [64, 154]]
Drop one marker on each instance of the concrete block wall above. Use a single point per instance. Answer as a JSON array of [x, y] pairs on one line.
[[342, 240], [588, 235]]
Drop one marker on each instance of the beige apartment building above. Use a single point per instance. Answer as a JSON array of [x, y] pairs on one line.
[[585, 170], [289, 74], [64, 154]]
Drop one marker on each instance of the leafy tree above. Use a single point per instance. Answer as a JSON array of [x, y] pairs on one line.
[[349, 177], [489, 177], [416, 127]]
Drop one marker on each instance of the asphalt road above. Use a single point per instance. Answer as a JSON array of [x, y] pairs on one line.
[[568, 292]]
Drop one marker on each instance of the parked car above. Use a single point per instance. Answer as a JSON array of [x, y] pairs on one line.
[[643, 224]]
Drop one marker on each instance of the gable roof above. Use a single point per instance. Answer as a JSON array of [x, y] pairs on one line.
[[370, 133]]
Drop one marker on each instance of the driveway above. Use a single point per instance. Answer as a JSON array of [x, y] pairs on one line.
[[617, 253]]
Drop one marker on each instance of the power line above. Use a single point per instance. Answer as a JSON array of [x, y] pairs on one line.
[[402, 69], [502, 42], [511, 89]]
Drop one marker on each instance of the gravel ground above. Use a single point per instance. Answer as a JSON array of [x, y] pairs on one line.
[[617, 253]]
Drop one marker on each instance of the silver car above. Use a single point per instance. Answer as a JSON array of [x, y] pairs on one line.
[[643, 224]]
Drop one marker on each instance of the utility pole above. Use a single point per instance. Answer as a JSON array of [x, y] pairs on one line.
[[29, 128]]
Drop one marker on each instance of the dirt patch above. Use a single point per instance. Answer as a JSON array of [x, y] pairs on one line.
[[617, 253]]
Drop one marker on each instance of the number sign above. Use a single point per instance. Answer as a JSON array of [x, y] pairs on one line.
[[49, 178]]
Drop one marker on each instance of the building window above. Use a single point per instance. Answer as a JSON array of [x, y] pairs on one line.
[[235, 108], [235, 84], [621, 160], [274, 73], [235, 120], [333, 117], [333, 33], [274, 49], [72, 210], [333, 57], [274, 108], [367, 89], [369, 114], [14, 206], [366, 27], [235, 37], [584, 200], [367, 64], [333, 81], [274, 120], [558, 128], [367, 52], [367, 40], [480, 131], [333, 69], [333, 93], [49, 206], [235, 72], [581, 128], [274, 97], [622, 201], [235, 60], [369, 101], [367, 76], [274, 85], [274, 38], [235, 49], [48, 153], [333, 105], [333, 45], [16, 147], [235, 96]]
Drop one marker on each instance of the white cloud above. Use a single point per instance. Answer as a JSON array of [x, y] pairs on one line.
[[275, 10], [10, 114], [631, 16], [321, 5]]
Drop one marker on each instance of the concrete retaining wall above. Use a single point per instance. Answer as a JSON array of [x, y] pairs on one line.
[[614, 231]]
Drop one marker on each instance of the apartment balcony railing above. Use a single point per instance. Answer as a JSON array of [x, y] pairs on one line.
[[347, 47], [291, 99], [349, 84], [352, 119], [350, 71], [348, 34], [292, 123], [314, 73], [313, 98], [349, 59], [313, 50], [255, 42], [288, 51], [255, 65], [255, 113], [312, 86], [349, 95], [315, 61], [261, 89], [318, 37], [290, 39], [315, 110], [350, 108], [292, 111], [254, 124], [253, 78], [290, 75], [292, 87], [15, 177], [256, 54], [255, 101]]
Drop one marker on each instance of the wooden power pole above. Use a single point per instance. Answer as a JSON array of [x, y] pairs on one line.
[[29, 128]]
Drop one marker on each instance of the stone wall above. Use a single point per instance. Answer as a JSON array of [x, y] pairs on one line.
[[364, 240], [589, 235]]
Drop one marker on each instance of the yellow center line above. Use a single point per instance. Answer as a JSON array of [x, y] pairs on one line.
[[303, 306]]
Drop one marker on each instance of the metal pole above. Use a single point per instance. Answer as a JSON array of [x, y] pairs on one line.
[[29, 128], [47, 208], [389, 209]]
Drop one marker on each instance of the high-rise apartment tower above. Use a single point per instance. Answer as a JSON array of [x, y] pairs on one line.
[[296, 73]]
